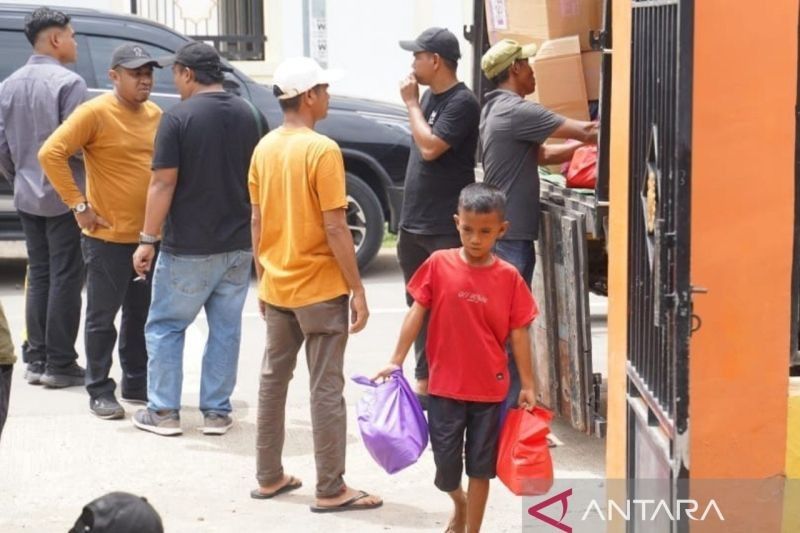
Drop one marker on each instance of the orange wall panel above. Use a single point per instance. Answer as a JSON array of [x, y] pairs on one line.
[[743, 144], [618, 242]]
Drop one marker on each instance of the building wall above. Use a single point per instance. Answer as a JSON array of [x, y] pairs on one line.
[[745, 92], [362, 37], [618, 242]]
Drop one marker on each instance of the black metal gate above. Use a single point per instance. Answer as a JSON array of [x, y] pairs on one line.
[[659, 292]]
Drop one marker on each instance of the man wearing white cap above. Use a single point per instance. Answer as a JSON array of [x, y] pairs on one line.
[[513, 131], [307, 274]]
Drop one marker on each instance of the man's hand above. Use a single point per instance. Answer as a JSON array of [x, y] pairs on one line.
[[143, 259], [90, 220], [262, 309], [409, 90], [358, 311], [385, 372], [527, 399]]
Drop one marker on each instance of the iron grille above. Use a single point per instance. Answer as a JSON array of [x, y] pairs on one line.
[[234, 27], [659, 297]]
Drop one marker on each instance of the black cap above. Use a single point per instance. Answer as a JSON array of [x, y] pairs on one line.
[[437, 41], [131, 55], [118, 512], [197, 56]]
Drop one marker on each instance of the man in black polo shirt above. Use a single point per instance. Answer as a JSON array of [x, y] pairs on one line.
[[444, 125]]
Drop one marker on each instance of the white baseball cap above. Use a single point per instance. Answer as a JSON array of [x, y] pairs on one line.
[[296, 75]]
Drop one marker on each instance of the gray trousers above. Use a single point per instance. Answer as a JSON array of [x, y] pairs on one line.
[[323, 327]]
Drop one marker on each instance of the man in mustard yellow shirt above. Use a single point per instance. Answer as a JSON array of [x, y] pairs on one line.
[[307, 272], [115, 132]]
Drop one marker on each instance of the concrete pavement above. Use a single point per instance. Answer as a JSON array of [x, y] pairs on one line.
[[55, 457]]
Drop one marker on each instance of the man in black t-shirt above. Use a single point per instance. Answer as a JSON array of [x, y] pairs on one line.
[[199, 194], [444, 125]]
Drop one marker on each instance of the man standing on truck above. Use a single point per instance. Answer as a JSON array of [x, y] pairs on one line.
[[513, 131], [115, 131], [34, 100], [444, 125]]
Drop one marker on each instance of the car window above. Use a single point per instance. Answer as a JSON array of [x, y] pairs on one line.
[[101, 49], [16, 51]]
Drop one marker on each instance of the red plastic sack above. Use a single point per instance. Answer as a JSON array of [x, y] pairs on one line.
[[582, 172], [524, 464]]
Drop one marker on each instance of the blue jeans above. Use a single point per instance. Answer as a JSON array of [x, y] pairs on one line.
[[521, 254], [182, 285]]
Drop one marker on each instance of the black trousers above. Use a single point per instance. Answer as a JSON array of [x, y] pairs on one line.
[[53, 295], [5, 392], [109, 287], [412, 250]]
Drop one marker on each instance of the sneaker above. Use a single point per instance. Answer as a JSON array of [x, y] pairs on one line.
[[72, 376], [136, 397], [166, 425], [34, 373], [106, 407], [216, 423]]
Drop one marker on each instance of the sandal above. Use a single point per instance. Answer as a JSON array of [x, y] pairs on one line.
[[292, 484], [349, 505]]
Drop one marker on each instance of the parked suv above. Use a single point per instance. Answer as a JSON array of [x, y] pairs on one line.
[[374, 136]]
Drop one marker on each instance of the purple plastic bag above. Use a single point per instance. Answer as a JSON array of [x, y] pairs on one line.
[[391, 421]]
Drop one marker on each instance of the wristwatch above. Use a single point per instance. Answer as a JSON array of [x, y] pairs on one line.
[[144, 238], [80, 207]]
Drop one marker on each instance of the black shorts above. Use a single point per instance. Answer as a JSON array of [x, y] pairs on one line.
[[448, 421]]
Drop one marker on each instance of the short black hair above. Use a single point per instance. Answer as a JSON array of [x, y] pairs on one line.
[[42, 19], [503, 76], [205, 77], [451, 64], [482, 198], [293, 103]]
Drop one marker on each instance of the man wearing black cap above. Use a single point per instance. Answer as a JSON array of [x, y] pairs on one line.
[[118, 512], [115, 131], [442, 161], [199, 195]]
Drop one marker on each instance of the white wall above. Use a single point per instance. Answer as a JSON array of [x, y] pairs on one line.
[[119, 6], [363, 39]]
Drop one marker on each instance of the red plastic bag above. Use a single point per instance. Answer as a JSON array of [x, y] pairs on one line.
[[524, 464], [582, 172]]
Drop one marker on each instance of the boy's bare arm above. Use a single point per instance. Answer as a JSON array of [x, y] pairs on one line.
[[521, 348], [412, 323]]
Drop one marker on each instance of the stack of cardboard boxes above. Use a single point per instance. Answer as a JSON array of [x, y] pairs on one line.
[[567, 70]]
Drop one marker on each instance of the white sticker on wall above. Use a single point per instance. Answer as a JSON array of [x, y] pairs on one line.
[[498, 14]]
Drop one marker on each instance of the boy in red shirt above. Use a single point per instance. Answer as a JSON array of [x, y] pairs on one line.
[[477, 301]]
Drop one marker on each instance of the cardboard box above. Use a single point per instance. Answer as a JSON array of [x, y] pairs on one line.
[[537, 21], [591, 73], [560, 85]]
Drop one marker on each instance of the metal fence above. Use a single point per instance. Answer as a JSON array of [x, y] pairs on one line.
[[234, 27], [659, 294]]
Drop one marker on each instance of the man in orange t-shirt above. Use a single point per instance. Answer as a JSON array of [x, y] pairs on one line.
[[115, 131], [307, 272]]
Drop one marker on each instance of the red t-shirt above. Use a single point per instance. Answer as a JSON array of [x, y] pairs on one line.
[[472, 312]]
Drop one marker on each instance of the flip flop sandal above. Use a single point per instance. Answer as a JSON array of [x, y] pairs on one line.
[[293, 484], [349, 505]]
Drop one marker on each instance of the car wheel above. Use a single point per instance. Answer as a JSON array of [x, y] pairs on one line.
[[365, 220]]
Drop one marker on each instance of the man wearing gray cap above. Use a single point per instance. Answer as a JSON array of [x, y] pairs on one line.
[[115, 131], [444, 124], [513, 131], [198, 194]]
